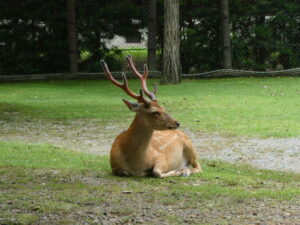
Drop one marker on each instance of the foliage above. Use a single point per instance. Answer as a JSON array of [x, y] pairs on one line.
[[33, 33], [99, 21], [242, 106], [265, 34], [139, 56], [200, 36]]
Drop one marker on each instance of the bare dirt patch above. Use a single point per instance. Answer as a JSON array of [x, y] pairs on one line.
[[148, 207], [99, 201], [94, 136], [282, 154]]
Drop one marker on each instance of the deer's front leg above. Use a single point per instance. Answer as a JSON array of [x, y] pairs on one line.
[[158, 172]]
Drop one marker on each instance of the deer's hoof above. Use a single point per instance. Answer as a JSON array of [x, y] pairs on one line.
[[186, 172]]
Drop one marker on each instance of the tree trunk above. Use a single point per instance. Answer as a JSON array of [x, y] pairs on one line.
[[152, 35], [72, 36], [225, 32], [171, 45]]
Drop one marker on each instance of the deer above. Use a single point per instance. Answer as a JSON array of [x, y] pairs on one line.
[[152, 145]]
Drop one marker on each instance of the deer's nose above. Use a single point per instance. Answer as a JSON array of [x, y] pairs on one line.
[[177, 124]]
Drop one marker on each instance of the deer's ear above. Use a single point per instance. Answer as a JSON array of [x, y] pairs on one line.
[[132, 105]]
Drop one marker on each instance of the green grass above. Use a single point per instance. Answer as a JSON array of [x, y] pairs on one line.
[[135, 52], [139, 55], [44, 184], [46, 156], [264, 107], [42, 181], [219, 177]]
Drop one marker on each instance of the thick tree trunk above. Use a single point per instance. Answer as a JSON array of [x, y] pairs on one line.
[[225, 32], [152, 35], [72, 36], [171, 46]]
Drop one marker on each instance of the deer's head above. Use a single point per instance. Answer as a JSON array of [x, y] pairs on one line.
[[148, 110]]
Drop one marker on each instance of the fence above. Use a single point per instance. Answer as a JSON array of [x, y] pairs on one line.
[[263, 37]]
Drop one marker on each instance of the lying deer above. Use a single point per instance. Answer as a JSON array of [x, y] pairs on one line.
[[151, 146]]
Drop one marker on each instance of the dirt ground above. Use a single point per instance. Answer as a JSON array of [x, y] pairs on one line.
[[93, 136]]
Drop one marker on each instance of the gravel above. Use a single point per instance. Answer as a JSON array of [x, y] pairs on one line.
[[94, 136]]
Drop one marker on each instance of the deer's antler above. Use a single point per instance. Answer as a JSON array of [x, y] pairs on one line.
[[143, 78], [124, 86]]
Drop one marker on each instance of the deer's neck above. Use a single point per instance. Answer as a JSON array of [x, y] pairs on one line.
[[138, 137]]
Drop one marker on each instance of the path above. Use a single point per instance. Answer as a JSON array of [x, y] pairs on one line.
[[92, 136]]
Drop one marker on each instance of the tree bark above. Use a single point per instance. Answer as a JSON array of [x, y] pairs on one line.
[[171, 45], [152, 35], [225, 32], [72, 36]]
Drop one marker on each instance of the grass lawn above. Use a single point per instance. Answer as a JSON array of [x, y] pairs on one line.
[[263, 107], [44, 184]]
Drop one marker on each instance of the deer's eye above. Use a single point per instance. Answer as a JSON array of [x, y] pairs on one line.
[[155, 113]]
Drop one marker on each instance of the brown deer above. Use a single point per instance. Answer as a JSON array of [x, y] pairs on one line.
[[151, 146]]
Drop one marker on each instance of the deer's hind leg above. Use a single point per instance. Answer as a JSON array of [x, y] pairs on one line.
[[121, 173], [159, 174], [160, 168], [158, 171], [191, 157]]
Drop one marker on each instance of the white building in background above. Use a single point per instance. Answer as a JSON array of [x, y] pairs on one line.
[[137, 41]]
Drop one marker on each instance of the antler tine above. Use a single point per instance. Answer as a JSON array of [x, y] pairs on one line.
[[155, 88], [143, 78], [123, 86], [146, 71], [126, 88], [108, 74]]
